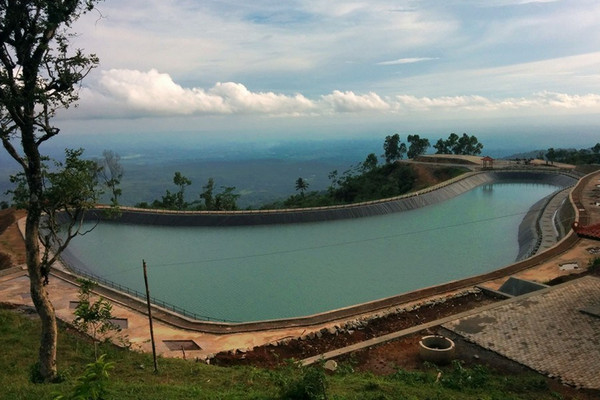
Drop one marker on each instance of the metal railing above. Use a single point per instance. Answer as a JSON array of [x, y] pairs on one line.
[[142, 296]]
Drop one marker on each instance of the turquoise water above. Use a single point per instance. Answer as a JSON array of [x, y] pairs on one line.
[[266, 272]]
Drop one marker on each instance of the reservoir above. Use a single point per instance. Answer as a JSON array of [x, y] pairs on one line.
[[259, 272]]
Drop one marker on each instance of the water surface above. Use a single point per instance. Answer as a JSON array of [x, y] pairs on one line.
[[247, 273]]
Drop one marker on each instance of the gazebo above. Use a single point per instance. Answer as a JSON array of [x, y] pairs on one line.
[[487, 162]]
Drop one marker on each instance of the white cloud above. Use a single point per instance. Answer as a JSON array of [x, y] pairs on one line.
[[407, 60], [122, 93], [155, 93], [350, 102]]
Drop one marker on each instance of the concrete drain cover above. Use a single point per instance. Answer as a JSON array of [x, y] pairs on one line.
[[174, 345], [120, 322], [594, 310]]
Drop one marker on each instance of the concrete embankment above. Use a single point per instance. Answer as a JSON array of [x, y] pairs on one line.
[[429, 196]]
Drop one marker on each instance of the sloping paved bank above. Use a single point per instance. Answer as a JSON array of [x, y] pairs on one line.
[[422, 198], [458, 186]]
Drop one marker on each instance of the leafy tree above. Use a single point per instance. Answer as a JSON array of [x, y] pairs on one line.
[[301, 185], [226, 200], [468, 145], [182, 182], [551, 155], [370, 163], [95, 316], [393, 149], [417, 146], [207, 195], [463, 145], [38, 75], [174, 201]]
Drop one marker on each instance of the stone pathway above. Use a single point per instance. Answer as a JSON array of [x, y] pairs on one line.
[[544, 330]]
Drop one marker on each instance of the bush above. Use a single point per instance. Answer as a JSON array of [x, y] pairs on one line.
[[306, 383], [459, 377], [594, 265]]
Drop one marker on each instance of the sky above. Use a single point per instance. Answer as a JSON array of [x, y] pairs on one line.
[[524, 70]]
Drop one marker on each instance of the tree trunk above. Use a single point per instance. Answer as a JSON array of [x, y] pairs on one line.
[[41, 300]]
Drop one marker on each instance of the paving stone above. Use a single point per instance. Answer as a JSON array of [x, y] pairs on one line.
[[545, 331]]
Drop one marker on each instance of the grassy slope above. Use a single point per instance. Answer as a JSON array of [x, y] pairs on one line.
[[132, 377]]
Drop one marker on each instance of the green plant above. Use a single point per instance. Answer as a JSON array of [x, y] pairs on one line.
[[95, 316], [302, 383], [594, 264], [93, 384], [460, 377]]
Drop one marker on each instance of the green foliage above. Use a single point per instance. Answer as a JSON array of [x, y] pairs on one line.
[[226, 200], [463, 145], [93, 384], [302, 383], [573, 156], [301, 185], [459, 378], [132, 378], [356, 185], [393, 149], [207, 194], [594, 265], [370, 163], [413, 377], [95, 315], [72, 184], [418, 146]]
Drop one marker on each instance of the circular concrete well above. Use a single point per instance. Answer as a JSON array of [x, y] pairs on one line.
[[436, 349]]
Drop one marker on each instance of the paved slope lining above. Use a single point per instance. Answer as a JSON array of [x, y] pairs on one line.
[[433, 195]]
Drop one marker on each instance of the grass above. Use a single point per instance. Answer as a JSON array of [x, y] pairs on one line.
[[132, 376]]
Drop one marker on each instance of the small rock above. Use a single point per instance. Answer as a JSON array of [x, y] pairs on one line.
[[330, 365]]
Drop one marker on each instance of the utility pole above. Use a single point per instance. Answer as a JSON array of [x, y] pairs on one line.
[[150, 317]]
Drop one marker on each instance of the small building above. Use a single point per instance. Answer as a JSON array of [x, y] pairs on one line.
[[487, 162]]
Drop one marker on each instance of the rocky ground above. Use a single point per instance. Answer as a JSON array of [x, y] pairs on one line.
[[353, 332]]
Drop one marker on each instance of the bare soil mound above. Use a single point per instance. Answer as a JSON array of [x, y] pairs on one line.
[[12, 245]]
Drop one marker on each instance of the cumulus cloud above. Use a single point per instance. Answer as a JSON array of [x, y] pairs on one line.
[[153, 92], [350, 102], [132, 93]]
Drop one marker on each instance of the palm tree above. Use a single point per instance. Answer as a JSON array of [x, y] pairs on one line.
[[301, 185]]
